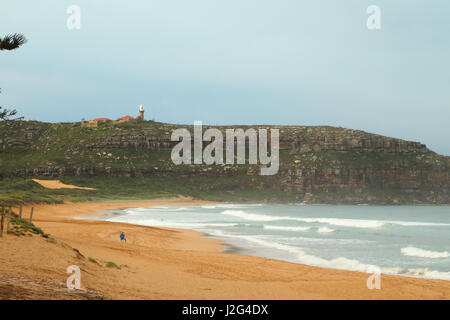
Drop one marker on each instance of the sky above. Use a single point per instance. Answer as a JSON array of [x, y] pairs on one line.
[[235, 62]]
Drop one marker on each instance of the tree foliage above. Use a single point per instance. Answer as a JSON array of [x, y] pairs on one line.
[[12, 41], [7, 114]]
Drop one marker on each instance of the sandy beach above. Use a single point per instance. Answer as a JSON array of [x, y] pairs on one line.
[[162, 263]]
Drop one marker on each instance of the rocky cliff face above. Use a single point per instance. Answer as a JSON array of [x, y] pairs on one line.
[[317, 164]]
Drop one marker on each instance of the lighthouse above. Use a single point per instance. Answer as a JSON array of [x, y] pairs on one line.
[[141, 112]]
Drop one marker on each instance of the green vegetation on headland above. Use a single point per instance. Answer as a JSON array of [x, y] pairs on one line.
[[131, 161], [19, 190]]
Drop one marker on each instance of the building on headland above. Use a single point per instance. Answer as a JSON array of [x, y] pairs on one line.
[[141, 112], [126, 118], [95, 122]]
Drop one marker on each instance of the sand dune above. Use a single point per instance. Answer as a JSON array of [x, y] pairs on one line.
[[56, 184]]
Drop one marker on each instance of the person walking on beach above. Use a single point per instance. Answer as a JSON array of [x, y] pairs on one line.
[[122, 237]]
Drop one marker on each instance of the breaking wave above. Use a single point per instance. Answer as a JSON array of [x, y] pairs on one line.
[[341, 263], [325, 230], [252, 216], [355, 223], [231, 206], [282, 228], [171, 224], [421, 253]]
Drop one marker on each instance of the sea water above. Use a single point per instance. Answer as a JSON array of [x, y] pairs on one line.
[[403, 240]]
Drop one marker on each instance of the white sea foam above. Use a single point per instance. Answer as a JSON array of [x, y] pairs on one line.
[[283, 228], [355, 265], [337, 263], [300, 255], [251, 216], [249, 225], [171, 224], [259, 241], [418, 272], [416, 224], [325, 230], [340, 262], [421, 253], [355, 223], [182, 209], [238, 205], [332, 221], [131, 211], [169, 209], [230, 206], [313, 242]]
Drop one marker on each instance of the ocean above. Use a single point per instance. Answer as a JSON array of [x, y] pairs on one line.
[[402, 240]]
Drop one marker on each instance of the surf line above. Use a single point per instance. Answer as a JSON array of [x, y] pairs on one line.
[[213, 153]]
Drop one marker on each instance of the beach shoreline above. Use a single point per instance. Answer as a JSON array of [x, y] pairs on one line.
[[167, 263]]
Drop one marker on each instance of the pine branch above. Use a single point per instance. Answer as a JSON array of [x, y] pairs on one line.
[[6, 114], [12, 41]]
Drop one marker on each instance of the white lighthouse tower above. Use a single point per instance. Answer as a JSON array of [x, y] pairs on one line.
[[141, 112]]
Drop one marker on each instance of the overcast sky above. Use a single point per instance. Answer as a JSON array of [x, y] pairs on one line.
[[286, 62]]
